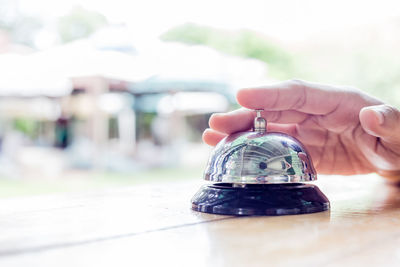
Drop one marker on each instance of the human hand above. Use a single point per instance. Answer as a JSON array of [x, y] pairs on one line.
[[345, 130]]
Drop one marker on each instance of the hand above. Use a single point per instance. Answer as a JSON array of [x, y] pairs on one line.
[[345, 130]]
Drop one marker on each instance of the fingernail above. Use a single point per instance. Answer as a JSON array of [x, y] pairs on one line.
[[379, 115], [216, 115]]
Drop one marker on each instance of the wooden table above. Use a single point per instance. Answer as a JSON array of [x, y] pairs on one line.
[[153, 225]]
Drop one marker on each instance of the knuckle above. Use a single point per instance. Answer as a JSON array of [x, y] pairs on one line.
[[276, 116], [391, 112], [352, 93], [391, 109], [296, 83], [351, 89]]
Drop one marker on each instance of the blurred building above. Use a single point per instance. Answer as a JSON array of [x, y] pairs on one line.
[[97, 107], [7, 46]]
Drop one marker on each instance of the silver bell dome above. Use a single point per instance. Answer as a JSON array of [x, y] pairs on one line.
[[258, 157]]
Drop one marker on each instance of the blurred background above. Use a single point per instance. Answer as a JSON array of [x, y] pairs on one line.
[[115, 93]]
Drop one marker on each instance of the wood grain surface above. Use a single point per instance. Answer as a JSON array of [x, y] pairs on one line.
[[153, 225]]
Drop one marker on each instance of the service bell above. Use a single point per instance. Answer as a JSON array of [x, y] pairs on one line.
[[260, 173]]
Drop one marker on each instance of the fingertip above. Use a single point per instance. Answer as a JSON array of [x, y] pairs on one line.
[[205, 135], [370, 120], [211, 137], [233, 121], [244, 96], [257, 97], [214, 119]]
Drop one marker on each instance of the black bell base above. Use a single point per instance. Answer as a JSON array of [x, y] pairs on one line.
[[260, 199]]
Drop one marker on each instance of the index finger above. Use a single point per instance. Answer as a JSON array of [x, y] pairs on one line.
[[311, 98]]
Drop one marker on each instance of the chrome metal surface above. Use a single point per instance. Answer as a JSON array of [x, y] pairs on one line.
[[253, 158], [260, 125], [259, 157]]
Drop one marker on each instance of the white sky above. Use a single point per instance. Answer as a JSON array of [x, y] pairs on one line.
[[284, 20]]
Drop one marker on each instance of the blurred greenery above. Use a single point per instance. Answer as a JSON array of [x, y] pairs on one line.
[[144, 121], [86, 181], [26, 126], [80, 23], [372, 68], [21, 27], [244, 43], [363, 59]]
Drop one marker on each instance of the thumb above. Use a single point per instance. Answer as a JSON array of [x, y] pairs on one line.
[[382, 121]]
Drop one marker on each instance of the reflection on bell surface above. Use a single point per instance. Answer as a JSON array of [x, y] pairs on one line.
[[259, 173]]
